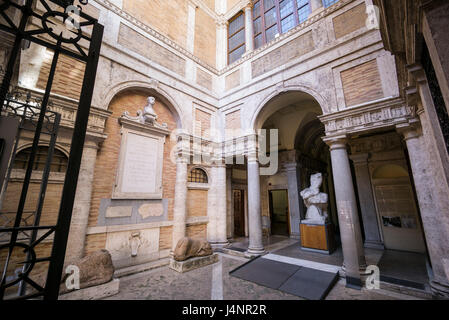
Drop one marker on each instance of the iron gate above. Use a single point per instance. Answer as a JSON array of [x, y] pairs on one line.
[[64, 29]]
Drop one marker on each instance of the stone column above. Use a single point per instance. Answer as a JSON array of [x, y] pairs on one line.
[[294, 201], [432, 215], [81, 206], [254, 213], [367, 205], [217, 207], [222, 40], [351, 237], [249, 32], [180, 205]]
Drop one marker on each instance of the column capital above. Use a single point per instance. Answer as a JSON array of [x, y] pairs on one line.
[[409, 130], [359, 158], [249, 5], [337, 142]]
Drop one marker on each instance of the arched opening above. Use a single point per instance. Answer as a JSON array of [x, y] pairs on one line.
[[197, 175], [301, 152]]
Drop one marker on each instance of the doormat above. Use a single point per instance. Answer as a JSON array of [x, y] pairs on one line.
[[300, 281]]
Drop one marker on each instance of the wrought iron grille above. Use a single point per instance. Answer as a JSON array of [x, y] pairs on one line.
[[66, 30]]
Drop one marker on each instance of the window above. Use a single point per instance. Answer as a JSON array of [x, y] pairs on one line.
[[274, 17], [236, 38], [197, 175], [328, 3], [58, 162]]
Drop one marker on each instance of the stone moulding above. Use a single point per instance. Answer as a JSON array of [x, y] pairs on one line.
[[368, 117]]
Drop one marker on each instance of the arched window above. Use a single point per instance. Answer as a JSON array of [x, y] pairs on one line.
[[197, 175], [58, 162]]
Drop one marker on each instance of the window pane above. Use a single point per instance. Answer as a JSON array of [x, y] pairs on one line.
[[268, 4], [288, 23], [236, 40], [286, 8], [258, 26], [328, 3], [256, 10], [236, 24], [258, 41], [303, 13], [235, 55], [270, 18], [302, 3], [271, 33]]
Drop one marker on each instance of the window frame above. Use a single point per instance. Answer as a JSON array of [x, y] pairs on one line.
[[240, 13], [196, 182], [278, 18]]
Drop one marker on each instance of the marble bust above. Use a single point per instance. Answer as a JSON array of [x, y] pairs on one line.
[[315, 201], [148, 112]]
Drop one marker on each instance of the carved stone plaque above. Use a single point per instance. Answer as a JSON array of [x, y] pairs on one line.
[[139, 174], [139, 171]]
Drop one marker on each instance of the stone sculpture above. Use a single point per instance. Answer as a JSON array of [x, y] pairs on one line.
[[190, 248], [94, 269], [315, 201]]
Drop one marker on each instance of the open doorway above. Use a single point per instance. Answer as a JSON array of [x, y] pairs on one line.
[[239, 212], [279, 212]]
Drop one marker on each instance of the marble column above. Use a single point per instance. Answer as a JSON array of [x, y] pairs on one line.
[[432, 213], [254, 208], [294, 200], [249, 29], [180, 205], [81, 206], [367, 205], [351, 236], [216, 230]]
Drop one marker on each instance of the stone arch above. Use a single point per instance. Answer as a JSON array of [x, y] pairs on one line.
[[42, 144], [156, 90], [281, 90]]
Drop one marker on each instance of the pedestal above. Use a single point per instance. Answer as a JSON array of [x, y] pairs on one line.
[[317, 238], [192, 263]]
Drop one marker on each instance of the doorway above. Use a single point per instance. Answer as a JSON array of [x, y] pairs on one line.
[[239, 213], [279, 212]]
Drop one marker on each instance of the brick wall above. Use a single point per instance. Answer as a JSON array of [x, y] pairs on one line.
[[205, 37], [196, 203], [204, 79], [165, 238], [68, 78], [350, 21], [232, 80], [362, 83], [202, 123], [167, 17], [151, 50], [233, 120]]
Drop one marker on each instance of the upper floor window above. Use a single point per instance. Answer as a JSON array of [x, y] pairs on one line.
[[274, 17], [58, 162], [236, 38], [197, 175], [328, 3]]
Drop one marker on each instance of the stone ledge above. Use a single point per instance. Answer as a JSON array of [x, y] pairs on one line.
[[193, 263], [94, 293], [119, 273]]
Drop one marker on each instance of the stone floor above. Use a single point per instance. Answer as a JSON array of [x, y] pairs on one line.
[[214, 283]]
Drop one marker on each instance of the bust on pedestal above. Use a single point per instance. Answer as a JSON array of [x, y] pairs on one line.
[[316, 230]]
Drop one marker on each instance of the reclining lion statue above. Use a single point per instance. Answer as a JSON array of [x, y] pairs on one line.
[[190, 248]]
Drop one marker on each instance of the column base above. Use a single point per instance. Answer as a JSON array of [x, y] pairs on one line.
[[439, 290], [255, 252]]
